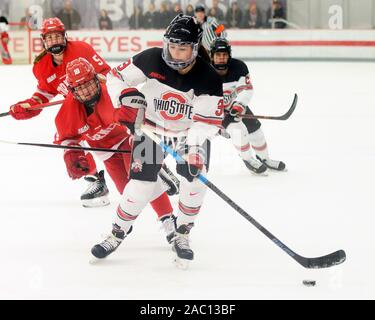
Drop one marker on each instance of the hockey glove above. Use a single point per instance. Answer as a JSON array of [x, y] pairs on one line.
[[236, 109], [194, 163], [76, 163], [132, 111], [20, 111]]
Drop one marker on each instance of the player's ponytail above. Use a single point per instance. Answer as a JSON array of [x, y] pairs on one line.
[[40, 56]]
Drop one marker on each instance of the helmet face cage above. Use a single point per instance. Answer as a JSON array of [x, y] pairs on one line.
[[183, 30], [221, 45], [55, 48], [88, 92], [50, 26], [174, 64]]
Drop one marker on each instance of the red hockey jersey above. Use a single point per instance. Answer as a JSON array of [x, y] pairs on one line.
[[99, 130], [51, 78]]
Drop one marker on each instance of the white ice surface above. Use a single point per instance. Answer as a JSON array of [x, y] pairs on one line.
[[325, 202]]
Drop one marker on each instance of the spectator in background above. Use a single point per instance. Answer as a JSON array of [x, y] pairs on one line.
[[212, 13], [234, 16], [176, 10], [252, 19], [189, 10], [164, 16], [216, 12], [136, 19], [69, 16], [150, 18], [27, 21], [105, 22], [276, 11]]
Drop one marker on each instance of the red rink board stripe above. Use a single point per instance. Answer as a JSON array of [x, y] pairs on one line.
[[290, 43], [306, 43]]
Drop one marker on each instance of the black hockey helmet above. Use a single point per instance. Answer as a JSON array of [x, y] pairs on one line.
[[183, 30], [3, 20], [220, 45]]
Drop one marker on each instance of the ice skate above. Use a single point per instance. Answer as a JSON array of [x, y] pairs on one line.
[[168, 225], [181, 247], [273, 164], [96, 195], [256, 166], [110, 244]]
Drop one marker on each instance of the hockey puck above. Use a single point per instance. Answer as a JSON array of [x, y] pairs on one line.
[[309, 283]]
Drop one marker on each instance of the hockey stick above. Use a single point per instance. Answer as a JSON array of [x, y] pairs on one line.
[[326, 261], [56, 146], [283, 117], [36, 107]]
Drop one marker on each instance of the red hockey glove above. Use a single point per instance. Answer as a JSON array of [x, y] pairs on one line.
[[236, 109], [132, 111], [20, 111], [76, 163]]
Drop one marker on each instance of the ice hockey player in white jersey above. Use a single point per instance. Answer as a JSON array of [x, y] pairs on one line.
[[185, 108], [246, 134]]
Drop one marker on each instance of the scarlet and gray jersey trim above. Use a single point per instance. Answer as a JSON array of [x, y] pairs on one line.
[[190, 211], [124, 215]]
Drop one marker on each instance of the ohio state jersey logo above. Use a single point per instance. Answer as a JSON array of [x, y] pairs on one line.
[[173, 106], [228, 96], [137, 166]]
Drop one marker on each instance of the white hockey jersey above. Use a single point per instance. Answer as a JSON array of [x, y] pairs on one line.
[[176, 104], [237, 85]]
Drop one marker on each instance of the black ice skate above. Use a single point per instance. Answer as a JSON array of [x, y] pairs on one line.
[[255, 166], [170, 180], [181, 246], [110, 244], [96, 195], [273, 164], [168, 224]]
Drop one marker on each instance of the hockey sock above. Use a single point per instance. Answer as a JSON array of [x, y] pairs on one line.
[[190, 201], [135, 197], [240, 139], [259, 144]]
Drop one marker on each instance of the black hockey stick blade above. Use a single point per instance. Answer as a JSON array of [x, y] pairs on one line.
[[285, 116], [4, 114], [332, 259]]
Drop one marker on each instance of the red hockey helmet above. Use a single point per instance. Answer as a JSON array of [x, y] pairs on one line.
[[53, 45], [79, 71], [83, 81], [52, 25]]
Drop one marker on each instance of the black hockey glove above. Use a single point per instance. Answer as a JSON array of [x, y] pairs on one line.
[[132, 111], [236, 109]]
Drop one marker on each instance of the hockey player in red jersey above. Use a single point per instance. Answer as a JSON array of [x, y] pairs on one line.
[[4, 40], [185, 107], [246, 134], [49, 70], [87, 114]]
